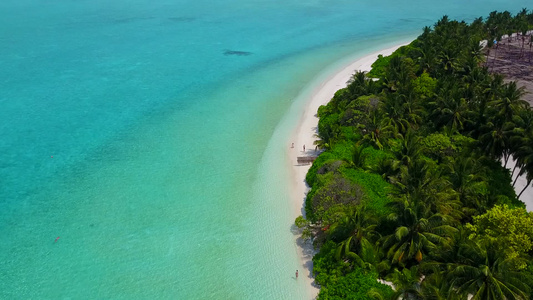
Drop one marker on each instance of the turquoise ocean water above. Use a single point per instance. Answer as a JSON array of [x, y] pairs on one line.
[[147, 136]]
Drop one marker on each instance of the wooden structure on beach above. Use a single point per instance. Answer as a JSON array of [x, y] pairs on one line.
[[303, 160]]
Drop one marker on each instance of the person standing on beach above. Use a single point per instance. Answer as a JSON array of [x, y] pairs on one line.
[[296, 274], [292, 146], [304, 148]]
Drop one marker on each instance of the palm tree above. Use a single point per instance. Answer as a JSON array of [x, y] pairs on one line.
[[523, 29], [387, 168], [358, 157], [490, 44], [451, 111], [375, 131], [510, 103], [436, 285], [530, 44], [495, 140], [423, 182], [328, 132], [474, 50], [507, 114], [427, 58], [529, 178], [410, 148], [413, 111], [394, 115], [523, 144], [524, 158], [448, 59], [498, 39], [320, 143], [467, 177], [494, 86], [417, 232], [483, 272], [490, 89], [358, 84], [356, 229], [522, 25], [406, 284], [478, 81]]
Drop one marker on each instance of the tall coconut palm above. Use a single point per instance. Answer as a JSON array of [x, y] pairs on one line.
[[529, 178], [524, 145], [451, 112], [474, 50], [476, 114], [410, 148], [423, 180], [328, 132], [523, 29], [434, 287], [417, 232], [358, 157], [490, 45], [524, 157], [495, 140], [449, 60], [394, 115], [413, 111], [468, 179], [428, 58], [510, 103], [406, 283], [530, 45], [483, 272], [375, 132], [359, 85], [498, 39], [356, 230]]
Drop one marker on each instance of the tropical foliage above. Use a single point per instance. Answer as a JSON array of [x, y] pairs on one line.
[[410, 187]]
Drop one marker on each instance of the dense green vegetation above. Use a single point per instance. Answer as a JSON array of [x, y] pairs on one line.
[[410, 187]]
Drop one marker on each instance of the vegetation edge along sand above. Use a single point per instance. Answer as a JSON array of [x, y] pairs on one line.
[[439, 190], [305, 134]]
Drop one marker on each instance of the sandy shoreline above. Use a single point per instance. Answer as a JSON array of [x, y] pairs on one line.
[[304, 134]]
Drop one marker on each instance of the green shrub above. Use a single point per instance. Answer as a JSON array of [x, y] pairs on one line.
[[355, 285], [324, 158], [374, 156], [381, 64], [424, 86], [375, 189], [331, 191], [378, 67], [437, 146], [326, 267], [343, 150]]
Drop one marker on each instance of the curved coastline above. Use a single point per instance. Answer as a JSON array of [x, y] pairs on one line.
[[304, 134]]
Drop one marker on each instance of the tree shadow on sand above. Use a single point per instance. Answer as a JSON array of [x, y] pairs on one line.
[[307, 251]]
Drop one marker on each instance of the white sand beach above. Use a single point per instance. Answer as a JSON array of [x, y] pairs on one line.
[[304, 134]]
